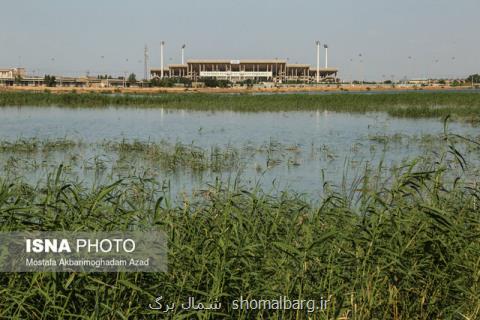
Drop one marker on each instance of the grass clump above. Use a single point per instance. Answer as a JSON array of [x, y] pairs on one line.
[[36, 145], [179, 155]]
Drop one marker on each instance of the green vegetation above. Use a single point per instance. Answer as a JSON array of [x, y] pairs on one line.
[[104, 76], [401, 243], [132, 79], [464, 105], [50, 81], [18, 79], [34, 145], [148, 155], [215, 83], [474, 78], [403, 250], [170, 82], [178, 156]]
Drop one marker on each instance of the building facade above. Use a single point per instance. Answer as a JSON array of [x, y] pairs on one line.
[[274, 70], [11, 73], [8, 76]]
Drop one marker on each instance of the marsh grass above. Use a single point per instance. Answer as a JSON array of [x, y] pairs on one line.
[[463, 106], [179, 155], [171, 157], [37, 145], [406, 249], [112, 159], [401, 243]]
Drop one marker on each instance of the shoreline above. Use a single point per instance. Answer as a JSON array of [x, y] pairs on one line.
[[239, 90]]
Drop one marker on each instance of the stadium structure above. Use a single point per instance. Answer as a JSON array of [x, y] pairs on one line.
[[271, 70]]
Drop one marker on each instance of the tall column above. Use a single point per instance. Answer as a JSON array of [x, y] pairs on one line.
[[326, 56], [183, 54], [161, 59], [318, 61]]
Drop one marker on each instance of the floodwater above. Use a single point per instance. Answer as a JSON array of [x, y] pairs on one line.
[[328, 146]]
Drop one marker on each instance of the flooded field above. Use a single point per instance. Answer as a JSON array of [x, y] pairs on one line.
[[187, 150], [298, 203]]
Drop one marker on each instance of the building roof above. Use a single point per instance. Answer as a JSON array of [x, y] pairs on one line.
[[177, 66], [159, 69], [233, 60], [313, 69], [297, 65]]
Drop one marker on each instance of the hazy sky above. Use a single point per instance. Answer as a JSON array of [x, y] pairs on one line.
[[58, 36]]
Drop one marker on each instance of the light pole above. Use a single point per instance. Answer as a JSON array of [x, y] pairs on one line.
[[103, 60], [318, 61], [326, 55], [161, 59], [276, 70], [453, 65], [361, 68], [410, 66], [145, 66], [352, 66], [434, 68], [183, 54], [52, 65]]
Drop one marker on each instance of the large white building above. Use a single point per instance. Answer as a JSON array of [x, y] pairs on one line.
[[272, 70]]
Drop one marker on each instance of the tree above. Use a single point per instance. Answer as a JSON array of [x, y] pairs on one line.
[[455, 83], [214, 82], [104, 77], [50, 81], [18, 79], [165, 82], [132, 78], [475, 78]]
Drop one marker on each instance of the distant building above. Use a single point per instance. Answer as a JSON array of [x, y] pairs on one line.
[[273, 70], [18, 76], [9, 75], [419, 81]]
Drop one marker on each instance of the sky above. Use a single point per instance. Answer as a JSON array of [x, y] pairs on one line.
[[368, 39]]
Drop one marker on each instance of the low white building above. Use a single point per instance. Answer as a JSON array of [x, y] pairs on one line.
[[11, 73]]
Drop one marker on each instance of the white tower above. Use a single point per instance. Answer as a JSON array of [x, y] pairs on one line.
[[318, 61], [326, 55], [183, 54], [161, 59], [145, 60]]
